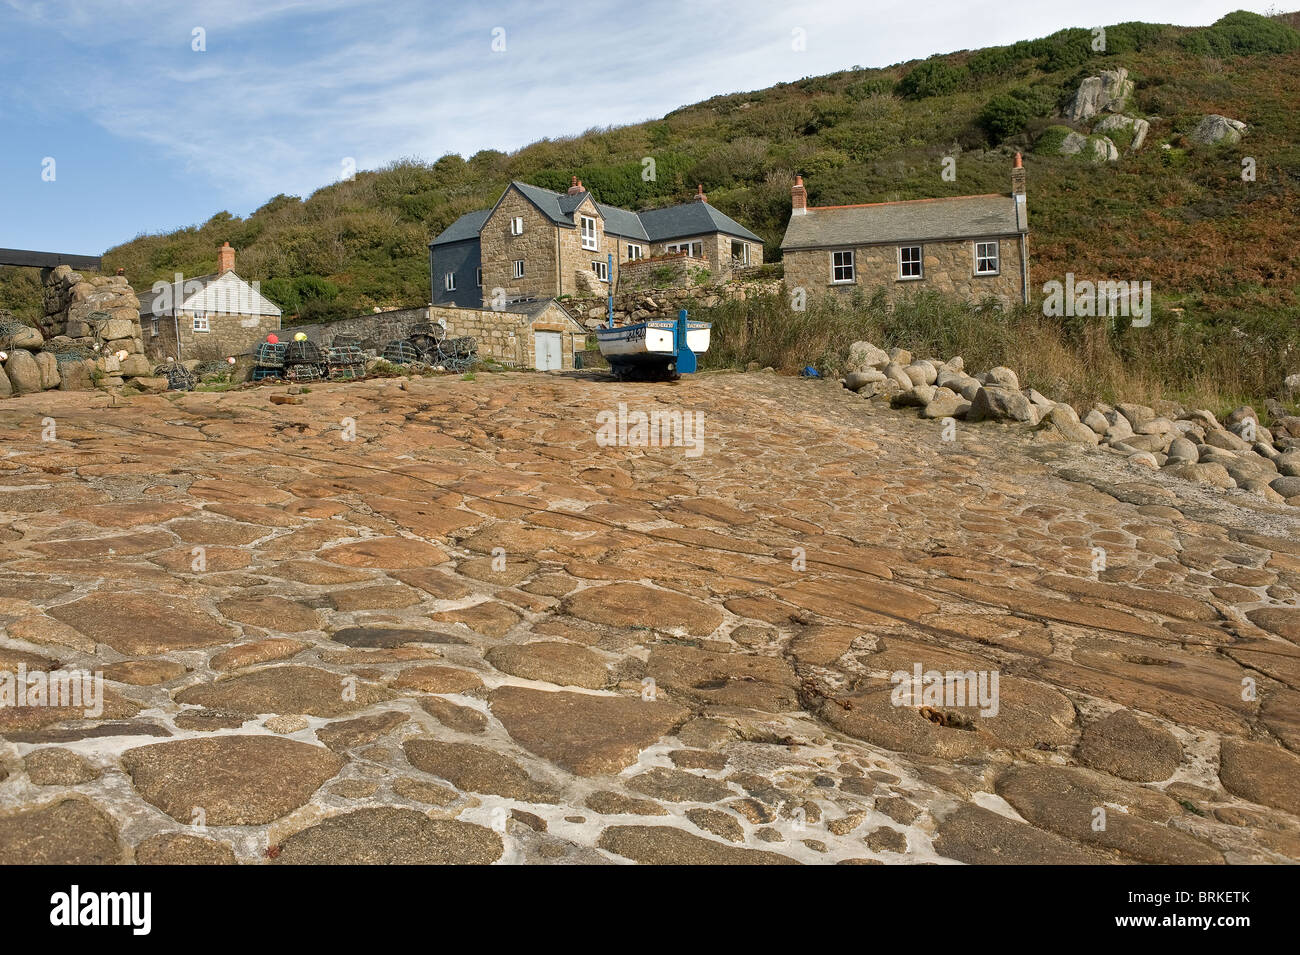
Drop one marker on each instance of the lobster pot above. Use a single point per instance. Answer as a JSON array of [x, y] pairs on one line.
[[462, 347], [205, 368], [302, 353], [307, 371], [401, 352], [269, 355], [346, 362], [346, 340], [303, 361], [178, 378]]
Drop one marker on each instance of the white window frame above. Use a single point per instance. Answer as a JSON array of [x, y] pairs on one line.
[[519, 268], [449, 282], [689, 247], [478, 277], [919, 263], [744, 251], [153, 327], [517, 225], [201, 323], [996, 257], [590, 238], [634, 252], [601, 268], [847, 264]]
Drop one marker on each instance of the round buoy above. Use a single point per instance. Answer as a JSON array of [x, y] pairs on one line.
[[300, 337], [273, 339], [230, 360]]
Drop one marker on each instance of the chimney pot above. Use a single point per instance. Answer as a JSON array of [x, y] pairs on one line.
[[1018, 177], [225, 259], [576, 187], [699, 193]]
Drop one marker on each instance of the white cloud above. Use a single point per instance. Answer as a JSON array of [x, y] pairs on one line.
[[288, 88]]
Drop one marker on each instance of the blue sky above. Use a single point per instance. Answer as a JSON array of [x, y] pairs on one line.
[[148, 134]]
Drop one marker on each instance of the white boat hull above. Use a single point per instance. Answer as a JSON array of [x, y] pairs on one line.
[[650, 342]]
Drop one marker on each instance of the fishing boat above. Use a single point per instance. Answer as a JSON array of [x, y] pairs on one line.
[[660, 348]]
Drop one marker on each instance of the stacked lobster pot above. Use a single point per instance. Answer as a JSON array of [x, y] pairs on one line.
[[268, 360], [425, 336], [303, 361], [401, 352], [345, 358]]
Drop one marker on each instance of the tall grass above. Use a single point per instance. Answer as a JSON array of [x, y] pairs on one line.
[[1080, 360]]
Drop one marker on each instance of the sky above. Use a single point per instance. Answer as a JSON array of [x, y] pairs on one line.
[[122, 117]]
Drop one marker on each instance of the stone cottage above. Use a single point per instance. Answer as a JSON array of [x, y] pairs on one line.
[[536, 244], [209, 317], [969, 246]]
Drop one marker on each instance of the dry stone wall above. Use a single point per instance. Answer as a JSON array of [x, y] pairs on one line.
[[88, 335], [640, 306]]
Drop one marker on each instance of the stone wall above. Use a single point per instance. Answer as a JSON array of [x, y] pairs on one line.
[[948, 267], [638, 306], [89, 334], [670, 270], [504, 335], [375, 330], [509, 336]]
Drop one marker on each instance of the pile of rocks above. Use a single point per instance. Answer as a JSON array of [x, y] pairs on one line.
[[88, 336], [1190, 444]]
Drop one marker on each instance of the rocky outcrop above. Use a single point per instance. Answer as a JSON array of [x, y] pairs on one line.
[[1217, 129], [1097, 149], [1117, 124], [1106, 92]]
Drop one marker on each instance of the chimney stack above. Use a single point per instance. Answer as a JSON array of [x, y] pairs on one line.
[[798, 198], [575, 187], [699, 193], [1018, 177], [225, 259]]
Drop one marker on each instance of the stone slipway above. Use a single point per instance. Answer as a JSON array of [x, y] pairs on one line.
[[475, 635]]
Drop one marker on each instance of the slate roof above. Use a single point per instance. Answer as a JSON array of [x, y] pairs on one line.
[[178, 292], [916, 220], [186, 289], [654, 225], [467, 226], [691, 218]]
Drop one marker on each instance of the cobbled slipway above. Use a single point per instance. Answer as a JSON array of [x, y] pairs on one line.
[[437, 620]]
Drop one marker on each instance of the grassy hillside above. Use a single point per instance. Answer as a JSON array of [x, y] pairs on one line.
[[1222, 249]]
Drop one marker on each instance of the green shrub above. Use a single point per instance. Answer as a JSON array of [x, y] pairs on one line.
[[1133, 37], [1065, 49], [931, 78], [865, 89], [1243, 34], [283, 293], [1009, 113], [1050, 140]]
